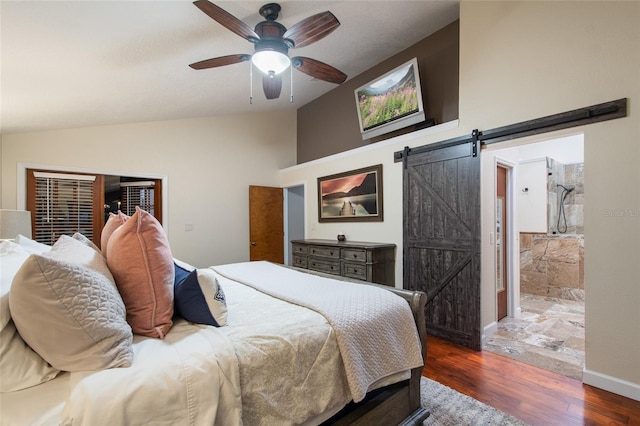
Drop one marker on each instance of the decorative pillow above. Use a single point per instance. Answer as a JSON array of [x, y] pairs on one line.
[[87, 242], [31, 246], [180, 273], [199, 298], [113, 223], [140, 259], [66, 306], [20, 366]]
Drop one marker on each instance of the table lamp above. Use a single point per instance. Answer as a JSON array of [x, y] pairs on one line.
[[14, 222]]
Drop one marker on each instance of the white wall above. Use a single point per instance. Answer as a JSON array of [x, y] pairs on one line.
[[520, 61], [388, 231], [209, 164], [531, 171], [567, 150], [532, 195]]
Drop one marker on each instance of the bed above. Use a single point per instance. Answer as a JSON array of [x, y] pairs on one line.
[[281, 357]]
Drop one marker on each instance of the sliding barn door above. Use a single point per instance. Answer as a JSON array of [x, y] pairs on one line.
[[442, 239]]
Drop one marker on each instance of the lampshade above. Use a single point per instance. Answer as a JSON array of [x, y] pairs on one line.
[[270, 61], [14, 222]]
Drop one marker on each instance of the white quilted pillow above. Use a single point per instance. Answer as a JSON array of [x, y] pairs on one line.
[[20, 366], [66, 307], [31, 246]]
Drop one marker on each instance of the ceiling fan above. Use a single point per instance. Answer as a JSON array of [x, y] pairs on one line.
[[272, 43]]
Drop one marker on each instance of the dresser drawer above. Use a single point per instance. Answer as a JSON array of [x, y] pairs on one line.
[[326, 266], [300, 248], [372, 262], [300, 261], [355, 270], [331, 252], [357, 255]]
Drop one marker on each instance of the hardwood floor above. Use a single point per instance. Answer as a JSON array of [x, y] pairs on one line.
[[535, 396]]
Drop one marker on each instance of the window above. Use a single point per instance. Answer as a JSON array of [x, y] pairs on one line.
[[63, 204], [139, 194]]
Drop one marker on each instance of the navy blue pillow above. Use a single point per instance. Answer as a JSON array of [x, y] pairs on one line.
[[181, 274], [199, 298]]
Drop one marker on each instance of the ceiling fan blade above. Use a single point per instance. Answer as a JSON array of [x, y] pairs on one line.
[[219, 62], [272, 85], [227, 20], [318, 70], [311, 29]]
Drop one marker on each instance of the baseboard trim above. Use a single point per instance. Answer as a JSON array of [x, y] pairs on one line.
[[518, 312], [611, 384], [488, 331]]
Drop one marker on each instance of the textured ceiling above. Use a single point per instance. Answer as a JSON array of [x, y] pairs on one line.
[[68, 64]]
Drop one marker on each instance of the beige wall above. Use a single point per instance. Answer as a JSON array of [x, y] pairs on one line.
[[520, 61], [529, 59], [209, 164]]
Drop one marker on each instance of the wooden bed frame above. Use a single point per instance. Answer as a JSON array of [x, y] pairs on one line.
[[399, 403]]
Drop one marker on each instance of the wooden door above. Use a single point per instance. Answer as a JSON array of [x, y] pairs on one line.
[[501, 242], [442, 239], [266, 224]]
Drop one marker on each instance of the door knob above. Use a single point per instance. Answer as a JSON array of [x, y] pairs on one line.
[[253, 243]]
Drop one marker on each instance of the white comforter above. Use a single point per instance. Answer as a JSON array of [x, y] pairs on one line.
[[189, 378], [275, 363], [374, 327]]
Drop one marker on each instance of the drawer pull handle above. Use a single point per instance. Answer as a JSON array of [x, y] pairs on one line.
[[355, 255]]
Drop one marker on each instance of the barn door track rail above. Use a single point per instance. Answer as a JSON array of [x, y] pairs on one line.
[[578, 117]]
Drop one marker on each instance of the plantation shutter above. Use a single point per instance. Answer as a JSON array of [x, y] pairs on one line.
[[141, 194], [63, 206]]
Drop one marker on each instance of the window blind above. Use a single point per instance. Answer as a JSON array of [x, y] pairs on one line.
[[139, 194], [63, 206]]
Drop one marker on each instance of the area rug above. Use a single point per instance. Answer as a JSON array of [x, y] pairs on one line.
[[451, 408]]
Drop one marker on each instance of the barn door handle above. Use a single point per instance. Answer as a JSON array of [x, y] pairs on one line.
[[253, 243]]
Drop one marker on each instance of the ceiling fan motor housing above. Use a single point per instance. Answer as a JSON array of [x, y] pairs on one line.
[[271, 33]]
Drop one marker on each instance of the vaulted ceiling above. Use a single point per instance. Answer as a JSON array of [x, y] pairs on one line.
[[68, 64]]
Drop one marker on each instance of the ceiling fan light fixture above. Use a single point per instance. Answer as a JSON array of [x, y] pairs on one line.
[[271, 61]]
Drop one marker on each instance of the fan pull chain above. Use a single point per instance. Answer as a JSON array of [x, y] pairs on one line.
[[250, 84], [291, 77]]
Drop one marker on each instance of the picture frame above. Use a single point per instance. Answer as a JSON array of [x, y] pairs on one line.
[[391, 102], [353, 196]]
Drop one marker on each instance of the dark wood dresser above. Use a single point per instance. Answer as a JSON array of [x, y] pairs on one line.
[[373, 262]]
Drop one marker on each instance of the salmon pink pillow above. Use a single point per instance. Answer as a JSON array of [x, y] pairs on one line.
[[113, 223], [140, 260]]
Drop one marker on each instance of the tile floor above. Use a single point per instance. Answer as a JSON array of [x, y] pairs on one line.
[[549, 335]]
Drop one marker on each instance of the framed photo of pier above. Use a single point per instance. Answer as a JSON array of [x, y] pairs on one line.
[[354, 196]]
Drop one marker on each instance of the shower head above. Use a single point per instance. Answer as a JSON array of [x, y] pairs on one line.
[[566, 190]]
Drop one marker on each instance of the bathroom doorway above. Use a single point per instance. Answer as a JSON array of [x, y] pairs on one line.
[[545, 322]]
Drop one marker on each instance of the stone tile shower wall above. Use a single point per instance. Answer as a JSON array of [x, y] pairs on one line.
[[552, 264]]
